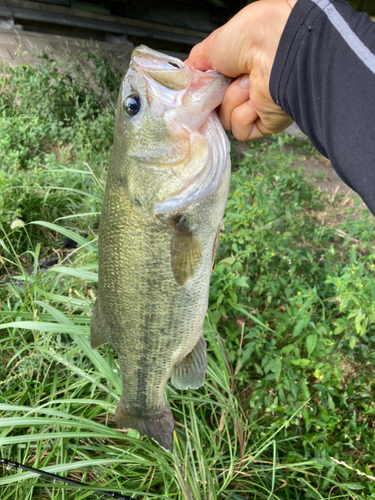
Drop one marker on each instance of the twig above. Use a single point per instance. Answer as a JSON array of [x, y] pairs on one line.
[[236, 371], [341, 233], [372, 478]]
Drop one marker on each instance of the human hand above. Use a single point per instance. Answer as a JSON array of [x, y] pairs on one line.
[[245, 49]]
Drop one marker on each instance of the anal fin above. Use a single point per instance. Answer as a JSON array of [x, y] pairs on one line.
[[190, 372], [99, 331]]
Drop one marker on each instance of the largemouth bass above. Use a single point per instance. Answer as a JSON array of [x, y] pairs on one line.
[[164, 201]]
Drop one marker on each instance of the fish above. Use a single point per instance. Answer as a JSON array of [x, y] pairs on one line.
[[164, 201]]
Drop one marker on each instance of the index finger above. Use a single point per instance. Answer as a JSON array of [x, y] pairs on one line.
[[220, 51], [199, 56]]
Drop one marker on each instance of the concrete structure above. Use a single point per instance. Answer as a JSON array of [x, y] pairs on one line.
[[18, 47], [85, 20]]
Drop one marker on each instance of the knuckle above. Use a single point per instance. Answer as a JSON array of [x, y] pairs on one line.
[[242, 134], [239, 117]]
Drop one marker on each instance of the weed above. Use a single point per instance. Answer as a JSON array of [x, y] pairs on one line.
[[56, 124], [290, 324]]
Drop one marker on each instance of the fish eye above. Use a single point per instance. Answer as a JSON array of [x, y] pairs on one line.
[[132, 104], [174, 65]]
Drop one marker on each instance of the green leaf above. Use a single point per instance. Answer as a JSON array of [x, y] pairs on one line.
[[276, 367], [304, 362], [247, 352], [331, 404], [311, 341], [287, 349], [228, 260], [220, 299], [42, 326], [352, 486], [305, 391], [352, 342], [301, 324], [75, 271], [240, 308], [99, 362], [58, 468], [68, 233], [339, 328], [241, 282]]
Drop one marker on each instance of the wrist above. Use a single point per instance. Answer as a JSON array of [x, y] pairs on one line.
[[268, 20]]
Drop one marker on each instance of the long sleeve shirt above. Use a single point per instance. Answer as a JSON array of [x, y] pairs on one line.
[[324, 78]]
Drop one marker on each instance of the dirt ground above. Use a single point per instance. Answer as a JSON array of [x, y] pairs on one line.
[[319, 170]]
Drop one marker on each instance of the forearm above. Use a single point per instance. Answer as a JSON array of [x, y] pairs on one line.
[[323, 76]]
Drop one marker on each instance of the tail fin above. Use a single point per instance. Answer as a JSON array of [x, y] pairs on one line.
[[158, 426]]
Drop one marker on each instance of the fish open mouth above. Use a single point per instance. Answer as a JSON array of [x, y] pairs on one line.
[[203, 89], [184, 99]]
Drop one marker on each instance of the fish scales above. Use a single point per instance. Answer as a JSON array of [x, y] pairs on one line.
[[156, 249]]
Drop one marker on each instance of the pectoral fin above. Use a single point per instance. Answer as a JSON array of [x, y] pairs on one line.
[[99, 331], [191, 371], [186, 252]]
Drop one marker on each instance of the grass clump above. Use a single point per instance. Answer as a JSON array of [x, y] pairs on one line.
[[287, 410], [56, 128]]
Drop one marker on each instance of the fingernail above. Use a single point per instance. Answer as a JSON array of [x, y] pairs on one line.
[[249, 102], [245, 82]]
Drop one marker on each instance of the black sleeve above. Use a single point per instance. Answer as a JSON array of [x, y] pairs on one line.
[[324, 78]]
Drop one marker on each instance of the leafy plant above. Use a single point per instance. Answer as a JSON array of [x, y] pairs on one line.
[[287, 410], [56, 127]]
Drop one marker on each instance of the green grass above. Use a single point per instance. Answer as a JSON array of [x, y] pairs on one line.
[[66, 395], [287, 409]]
